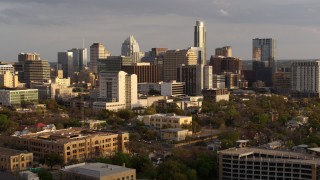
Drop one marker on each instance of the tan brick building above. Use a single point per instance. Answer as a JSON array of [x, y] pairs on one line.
[[73, 143], [14, 160], [169, 120]]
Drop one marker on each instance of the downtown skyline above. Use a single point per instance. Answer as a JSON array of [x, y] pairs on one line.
[[48, 27]]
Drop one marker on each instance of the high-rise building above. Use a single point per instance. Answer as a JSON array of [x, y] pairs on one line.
[[65, 61], [113, 63], [146, 73], [306, 79], [79, 58], [221, 64], [9, 79], [97, 51], [28, 56], [200, 40], [225, 51], [264, 50], [117, 90], [172, 59], [130, 48], [192, 76], [36, 71]]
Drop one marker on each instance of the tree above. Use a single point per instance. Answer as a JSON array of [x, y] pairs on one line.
[[52, 159], [45, 175], [4, 122], [125, 114], [175, 170]]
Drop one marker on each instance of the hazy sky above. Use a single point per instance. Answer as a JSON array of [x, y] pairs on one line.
[[50, 26]]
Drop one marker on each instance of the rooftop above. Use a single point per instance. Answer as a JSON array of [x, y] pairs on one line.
[[174, 130], [10, 152], [96, 170]]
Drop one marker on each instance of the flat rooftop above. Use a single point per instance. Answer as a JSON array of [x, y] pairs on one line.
[[274, 155], [11, 152], [96, 170]]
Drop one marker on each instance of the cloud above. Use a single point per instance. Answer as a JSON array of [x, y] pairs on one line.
[[223, 12]]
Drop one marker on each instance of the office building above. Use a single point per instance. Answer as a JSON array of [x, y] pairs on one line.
[[130, 48], [257, 163], [231, 80], [72, 143], [79, 59], [192, 76], [15, 160], [264, 50], [15, 97], [166, 120], [117, 90], [225, 51], [149, 88], [221, 64], [200, 40], [215, 95], [114, 63], [6, 67], [65, 63], [9, 79], [306, 79], [28, 56], [172, 88], [97, 171], [175, 134], [36, 71], [218, 81], [145, 72], [97, 51], [172, 59], [207, 77], [281, 82]]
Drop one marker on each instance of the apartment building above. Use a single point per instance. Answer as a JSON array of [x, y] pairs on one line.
[[15, 97], [73, 143], [14, 160], [97, 171], [255, 163], [166, 120]]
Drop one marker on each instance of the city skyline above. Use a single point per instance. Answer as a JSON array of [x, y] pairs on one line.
[[59, 25]]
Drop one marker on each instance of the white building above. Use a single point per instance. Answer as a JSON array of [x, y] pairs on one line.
[[200, 39], [15, 97], [172, 88], [218, 81], [306, 78], [117, 90]]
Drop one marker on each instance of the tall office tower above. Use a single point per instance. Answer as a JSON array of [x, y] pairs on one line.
[[306, 79], [225, 51], [28, 56], [221, 64], [79, 58], [200, 39], [97, 51], [65, 61], [192, 76], [36, 71], [172, 59], [207, 77], [264, 50], [119, 88], [113, 63], [130, 48]]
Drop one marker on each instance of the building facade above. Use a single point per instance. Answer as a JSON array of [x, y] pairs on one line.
[[215, 95], [80, 58], [166, 120], [65, 63], [192, 76], [221, 64], [172, 88], [97, 51], [73, 143], [264, 50], [145, 72], [225, 51], [36, 71], [200, 40], [16, 97], [14, 160]]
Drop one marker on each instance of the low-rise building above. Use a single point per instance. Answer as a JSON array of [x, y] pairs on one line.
[[9, 97], [175, 134], [215, 95], [72, 143], [97, 171], [172, 88], [257, 163], [14, 160], [166, 120]]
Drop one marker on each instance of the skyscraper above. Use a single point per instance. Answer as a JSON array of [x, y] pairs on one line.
[[65, 60], [200, 39], [79, 58], [264, 50], [130, 48], [97, 51]]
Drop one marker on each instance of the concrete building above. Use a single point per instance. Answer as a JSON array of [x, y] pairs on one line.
[[218, 81], [192, 76], [255, 163], [65, 62], [207, 77], [117, 89], [72, 143], [200, 40], [225, 51], [281, 82], [215, 95], [15, 97], [264, 50], [35, 71], [231, 80], [175, 134], [147, 88], [306, 79], [6, 67], [28, 56], [80, 58], [172, 59], [14, 160], [9, 79], [166, 120], [172, 88], [97, 51], [97, 171]]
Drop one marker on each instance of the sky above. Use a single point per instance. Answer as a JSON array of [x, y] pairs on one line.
[[51, 26]]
